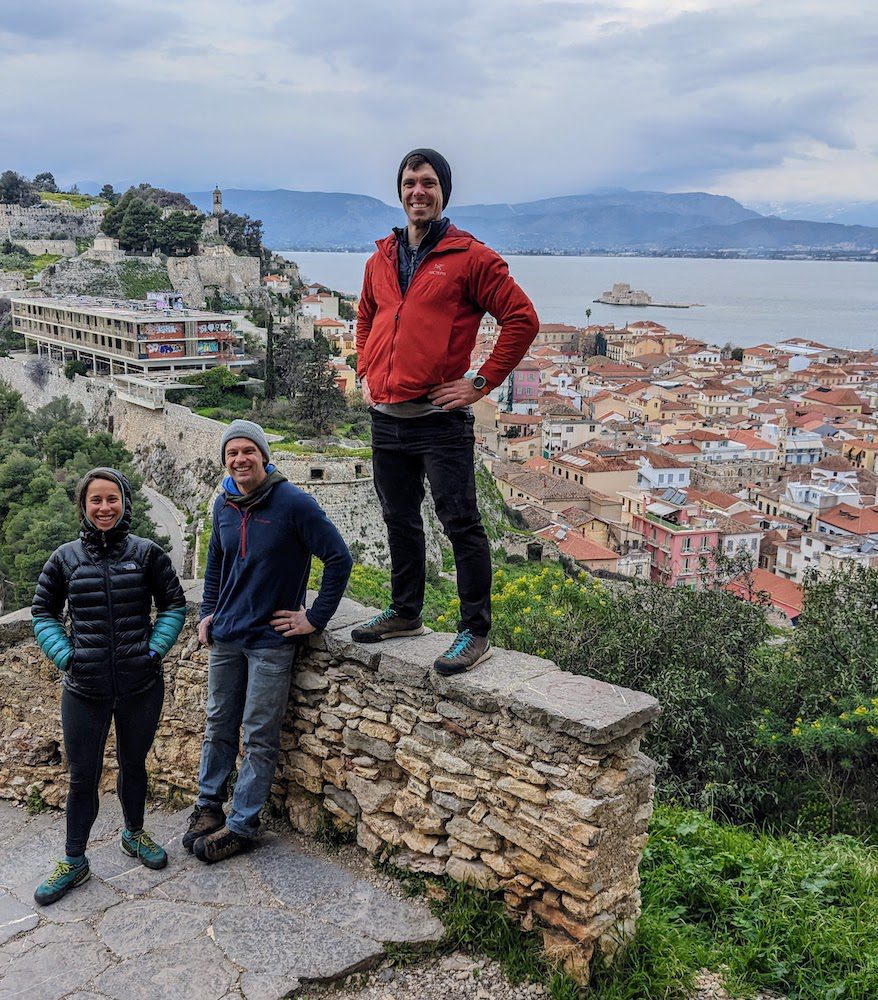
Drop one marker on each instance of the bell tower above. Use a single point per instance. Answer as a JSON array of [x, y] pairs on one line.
[[217, 201]]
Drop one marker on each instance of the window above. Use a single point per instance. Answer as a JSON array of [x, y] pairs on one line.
[[705, 543], [316, 473], [687, 544], [729, 545]]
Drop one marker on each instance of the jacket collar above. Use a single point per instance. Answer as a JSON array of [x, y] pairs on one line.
[[454, 239]]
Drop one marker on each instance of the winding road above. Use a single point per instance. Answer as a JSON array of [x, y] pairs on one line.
[[170, 521]]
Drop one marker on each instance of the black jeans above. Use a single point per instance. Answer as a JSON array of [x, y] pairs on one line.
[[440, 446], [86, 723]]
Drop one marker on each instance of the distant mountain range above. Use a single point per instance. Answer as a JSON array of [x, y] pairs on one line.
[[609, 221]]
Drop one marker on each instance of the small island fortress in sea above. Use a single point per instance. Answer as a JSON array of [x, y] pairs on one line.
[[622, 294]]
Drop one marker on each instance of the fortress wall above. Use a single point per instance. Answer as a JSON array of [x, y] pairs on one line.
[[515, 777], [47, 220]]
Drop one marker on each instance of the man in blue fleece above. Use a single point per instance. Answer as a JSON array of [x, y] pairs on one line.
[[265, 531]]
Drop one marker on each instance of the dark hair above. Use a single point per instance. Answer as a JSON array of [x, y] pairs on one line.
[[414, 161]]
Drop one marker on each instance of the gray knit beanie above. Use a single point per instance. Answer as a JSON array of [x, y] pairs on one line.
[[245, 429]]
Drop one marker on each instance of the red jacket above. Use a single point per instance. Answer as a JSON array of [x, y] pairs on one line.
[[408, 344]]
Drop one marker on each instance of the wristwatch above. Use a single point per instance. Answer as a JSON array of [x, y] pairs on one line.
[[480, 383]]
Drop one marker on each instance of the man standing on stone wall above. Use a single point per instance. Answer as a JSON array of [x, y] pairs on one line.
[[253, 616], [425, 292]]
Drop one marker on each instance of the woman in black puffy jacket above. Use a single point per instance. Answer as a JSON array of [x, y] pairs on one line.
[[111, 660]]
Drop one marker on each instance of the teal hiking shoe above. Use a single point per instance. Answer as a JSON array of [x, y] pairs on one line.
[[64, 878], [463, 654], [387, 625], [141, 846]]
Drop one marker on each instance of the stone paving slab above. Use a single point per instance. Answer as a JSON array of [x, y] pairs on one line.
[[252, 928], [15, 917]]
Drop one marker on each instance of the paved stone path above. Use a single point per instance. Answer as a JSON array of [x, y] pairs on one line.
[[255, 927]]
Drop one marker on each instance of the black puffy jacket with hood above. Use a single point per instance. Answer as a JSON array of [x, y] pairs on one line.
[[109, 580]]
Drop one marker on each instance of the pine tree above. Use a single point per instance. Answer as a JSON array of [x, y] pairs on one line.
[[319, 403]]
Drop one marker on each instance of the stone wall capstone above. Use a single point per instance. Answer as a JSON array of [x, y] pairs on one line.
[[516, 777]]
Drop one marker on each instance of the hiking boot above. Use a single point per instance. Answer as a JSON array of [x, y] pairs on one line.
[[221, 844], [64, 878], [204, 820], [387, 625], [140, 845], [463, 654]]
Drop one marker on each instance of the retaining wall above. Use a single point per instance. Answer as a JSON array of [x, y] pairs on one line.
[[515, 777]]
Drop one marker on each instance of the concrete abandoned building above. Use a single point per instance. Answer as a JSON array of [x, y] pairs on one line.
[[128, 338]]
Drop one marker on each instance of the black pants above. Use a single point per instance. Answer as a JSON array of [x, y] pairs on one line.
[[86, 723], [440, 446]]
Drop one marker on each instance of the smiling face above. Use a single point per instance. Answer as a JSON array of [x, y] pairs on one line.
[[421, 195], [245, 464], [103, 504]]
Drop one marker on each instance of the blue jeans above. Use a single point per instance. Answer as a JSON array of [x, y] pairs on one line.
[[249, 688]]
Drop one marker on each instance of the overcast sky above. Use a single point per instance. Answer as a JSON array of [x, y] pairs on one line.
[[771, 100]]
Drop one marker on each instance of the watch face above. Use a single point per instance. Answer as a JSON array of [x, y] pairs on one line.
[[479, 382]]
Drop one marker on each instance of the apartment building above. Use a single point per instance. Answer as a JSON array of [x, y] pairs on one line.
[[127, 338]]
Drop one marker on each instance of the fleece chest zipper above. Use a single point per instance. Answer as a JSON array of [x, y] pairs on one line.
[[242, 549]]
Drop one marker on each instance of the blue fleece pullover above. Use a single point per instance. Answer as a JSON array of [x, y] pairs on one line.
[[259, 559]]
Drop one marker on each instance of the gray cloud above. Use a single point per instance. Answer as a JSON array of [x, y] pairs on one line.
[[527, 99]]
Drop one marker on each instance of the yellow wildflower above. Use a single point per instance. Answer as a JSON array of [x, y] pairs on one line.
[[861, 710]]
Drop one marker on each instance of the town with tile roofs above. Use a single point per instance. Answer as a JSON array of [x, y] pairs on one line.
[[641, 453]]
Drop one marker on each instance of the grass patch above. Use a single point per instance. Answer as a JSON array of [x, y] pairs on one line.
[[370, 585], [43, 260], [330, 450], [795, 915], [73, 200], [138, 277], [233, 406], [21, 260]]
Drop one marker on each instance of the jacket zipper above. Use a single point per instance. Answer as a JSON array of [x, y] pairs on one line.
[[112, 616], [244, 514], [402, 298]]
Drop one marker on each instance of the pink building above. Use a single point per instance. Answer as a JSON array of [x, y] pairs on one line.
[[525, 382], [680, 541]]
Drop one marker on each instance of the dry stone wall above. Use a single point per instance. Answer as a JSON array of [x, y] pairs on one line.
[[48, 220], [515, 777], [64, 248]]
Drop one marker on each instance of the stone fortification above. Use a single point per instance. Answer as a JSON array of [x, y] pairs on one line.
[[92, 394], [13, 281], [217, 268], [516, 777], [86, 275], [53, 221], [63, 248]]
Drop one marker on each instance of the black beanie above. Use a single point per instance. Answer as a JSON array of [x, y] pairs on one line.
[[438, 162]]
